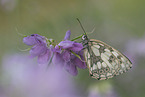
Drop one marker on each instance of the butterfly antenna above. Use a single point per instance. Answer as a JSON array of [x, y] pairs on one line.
[[91, 31], [81, 26]]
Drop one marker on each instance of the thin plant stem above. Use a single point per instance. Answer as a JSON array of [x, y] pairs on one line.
[[77, 38]]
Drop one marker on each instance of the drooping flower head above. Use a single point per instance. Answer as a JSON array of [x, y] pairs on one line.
[[67, 54], [39, 49], [67, 57]]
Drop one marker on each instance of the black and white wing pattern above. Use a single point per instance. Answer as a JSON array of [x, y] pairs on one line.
[[103, 61]]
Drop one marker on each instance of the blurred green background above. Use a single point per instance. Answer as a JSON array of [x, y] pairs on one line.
[[115, 22]]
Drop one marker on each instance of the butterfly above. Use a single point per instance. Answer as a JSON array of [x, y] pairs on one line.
[[103, 61]]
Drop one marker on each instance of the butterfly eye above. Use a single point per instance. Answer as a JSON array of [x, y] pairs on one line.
[[84, 37]]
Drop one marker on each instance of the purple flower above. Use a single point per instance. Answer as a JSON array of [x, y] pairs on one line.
[[66, 56], [29, 80], [73, 62], [67, 36], [34, 39], [39, 49], [71, 45]]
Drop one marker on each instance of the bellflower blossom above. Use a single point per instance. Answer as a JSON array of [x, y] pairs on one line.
[[63, 54], [67, 54], [39, 49]]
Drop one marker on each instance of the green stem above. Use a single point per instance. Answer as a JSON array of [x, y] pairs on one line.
[[77, 56], [77, 38]]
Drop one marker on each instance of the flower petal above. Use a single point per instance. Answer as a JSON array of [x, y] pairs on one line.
[[76, 47], [41, 39], [67, 35], [66, 55], [44, 58], [66, 44], [57, 59], [56, 49], [71, 68], [29, 40], [37, 50], [34, 39], [79, 63]]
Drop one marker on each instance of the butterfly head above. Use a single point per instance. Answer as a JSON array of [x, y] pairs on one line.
[[84, 37], [85, 40]]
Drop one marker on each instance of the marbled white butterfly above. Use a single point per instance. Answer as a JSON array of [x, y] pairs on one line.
[[103, 61]]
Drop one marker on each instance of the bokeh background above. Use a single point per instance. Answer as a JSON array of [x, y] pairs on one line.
[[119, 23]]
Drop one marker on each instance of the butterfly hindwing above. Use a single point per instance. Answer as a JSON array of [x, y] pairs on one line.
[[103, 61]]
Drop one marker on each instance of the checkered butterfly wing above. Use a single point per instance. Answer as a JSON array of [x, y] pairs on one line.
[[103, 61]]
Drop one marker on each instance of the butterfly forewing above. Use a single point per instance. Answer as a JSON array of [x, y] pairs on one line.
[[103, 61]]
